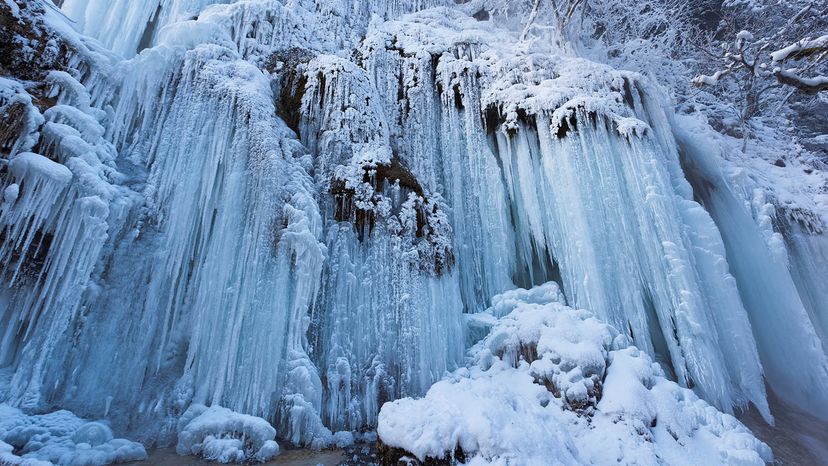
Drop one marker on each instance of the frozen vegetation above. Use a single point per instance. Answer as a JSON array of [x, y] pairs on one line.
[[227, 224]]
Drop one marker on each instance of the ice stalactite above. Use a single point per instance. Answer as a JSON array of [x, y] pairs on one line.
[[58, 209], [224, 251], [595, 196], [298, 210], [668, 285], [125, 26], [231, 230], [808, 252], [431, 97], [388, 319]]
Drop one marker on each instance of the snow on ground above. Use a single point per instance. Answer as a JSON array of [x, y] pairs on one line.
[[60, 438], [590, 397]]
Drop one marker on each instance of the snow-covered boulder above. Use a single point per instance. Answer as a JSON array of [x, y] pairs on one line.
[[60, 438], [219, 434], [554, 385]]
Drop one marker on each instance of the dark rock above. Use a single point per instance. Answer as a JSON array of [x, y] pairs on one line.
[[289, 64], [482, 15], [391, 456]]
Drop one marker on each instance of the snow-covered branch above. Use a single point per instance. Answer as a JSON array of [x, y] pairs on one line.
[[796, 63], [815, 50]]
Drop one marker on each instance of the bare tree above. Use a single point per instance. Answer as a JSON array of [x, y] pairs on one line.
[[563, 11]]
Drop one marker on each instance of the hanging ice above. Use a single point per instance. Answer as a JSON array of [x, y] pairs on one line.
[[297, 211]]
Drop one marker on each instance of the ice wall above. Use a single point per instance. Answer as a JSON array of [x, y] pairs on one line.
[[431, 96], [593, 195], [203, 293], [127, 27], [59, 207], [203, 296], [286, 208]]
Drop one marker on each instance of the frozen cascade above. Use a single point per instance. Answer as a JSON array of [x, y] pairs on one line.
[[431, 94], [655, 268], [299, 210], [126, 26], [58, 210], [808, 251], [388, 321], [247, 202], [780, 292], [667, 287]]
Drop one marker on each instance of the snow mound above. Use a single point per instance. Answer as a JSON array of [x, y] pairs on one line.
[[219, 434], [60, 438], [589, 395]]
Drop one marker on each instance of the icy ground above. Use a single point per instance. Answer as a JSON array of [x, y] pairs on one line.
[[60, 438], [797, 436]]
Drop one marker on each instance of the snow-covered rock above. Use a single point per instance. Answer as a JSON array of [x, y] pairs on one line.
[[219, 434], [554, 385]]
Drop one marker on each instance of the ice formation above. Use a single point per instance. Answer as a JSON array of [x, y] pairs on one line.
[[222, 435], [60, 438], [298, 211], [588, 395]]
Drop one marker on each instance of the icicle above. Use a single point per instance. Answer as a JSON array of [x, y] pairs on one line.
[[388, 321], [55, 230]]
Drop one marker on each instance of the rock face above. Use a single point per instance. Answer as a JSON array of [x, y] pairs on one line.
[[299, 211]]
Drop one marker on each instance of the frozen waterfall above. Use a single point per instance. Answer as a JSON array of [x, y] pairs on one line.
[[300, 210]]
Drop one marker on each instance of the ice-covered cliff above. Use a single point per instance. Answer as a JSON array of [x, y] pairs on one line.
[[298, 210]]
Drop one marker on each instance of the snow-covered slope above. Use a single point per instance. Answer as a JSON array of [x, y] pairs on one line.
[[298, 210]]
